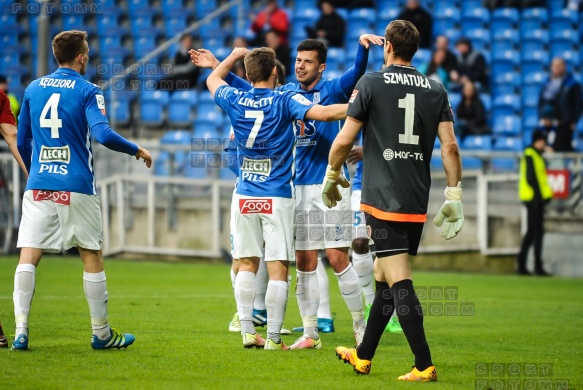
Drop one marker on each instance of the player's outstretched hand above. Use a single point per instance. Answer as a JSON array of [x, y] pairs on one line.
[[203, 58], [355, 155], [239, 52], [450, 215], [330, 192], [366, 39], [144, 154]]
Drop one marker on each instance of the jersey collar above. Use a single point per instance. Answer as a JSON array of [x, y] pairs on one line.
[[401, 66], [67, 71], [316, 88]]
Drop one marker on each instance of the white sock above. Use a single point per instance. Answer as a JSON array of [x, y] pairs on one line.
[[233, 278], [276, 303], [24, 285], [324, 310], [245, 294], [351, 292], [96, 294], [363, 265], [308, 296], [261, 279]]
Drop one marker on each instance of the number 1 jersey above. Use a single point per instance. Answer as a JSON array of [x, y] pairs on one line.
[[59, 109], [401, 110]]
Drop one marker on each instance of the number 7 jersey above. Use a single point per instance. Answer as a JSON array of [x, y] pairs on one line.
[[59, 110], [401, 110]]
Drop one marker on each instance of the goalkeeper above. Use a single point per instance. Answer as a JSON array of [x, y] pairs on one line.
[[401, 112]]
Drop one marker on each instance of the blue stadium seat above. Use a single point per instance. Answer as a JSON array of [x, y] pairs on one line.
[[487, 100], [504, 18], [200, 128], [540, 38], [530, 117], [568, 17], [387, 15], [537, 78], [108, 25], [454, 100], [512, 36], [152, 107], [530, 95], [507, 105], [447, 12], [541, 56], [423, 55], [502, 66], [75, 22], [336, 59], [364, 14], [509, 125], [504, 164], [121, 111], [477, 142], [181, 108], [170, 6], [508, 143], [536, 14], [505, 83], [212, 116], [475, 17], [143, 25], [453, 34], [478, 36], [110, 42], [499, 47], [174, 24], [385, 4], [143, 45], [204, 7], [565, 36]]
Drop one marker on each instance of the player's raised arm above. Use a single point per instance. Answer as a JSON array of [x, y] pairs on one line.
[[217, 77], [331, 113], [204, 58], [349, 79]]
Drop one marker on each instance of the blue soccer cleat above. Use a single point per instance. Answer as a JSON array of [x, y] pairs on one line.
[[20, 343], [325, 325], [116, 340], [259, 317]]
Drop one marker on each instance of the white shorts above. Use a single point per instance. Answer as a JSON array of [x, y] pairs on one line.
[[56, 220], [234, 208], [359, 219], [317, 226], [263, 220]]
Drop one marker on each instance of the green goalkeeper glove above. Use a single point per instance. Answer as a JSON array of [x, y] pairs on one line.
[[330, 192], [451, 212]]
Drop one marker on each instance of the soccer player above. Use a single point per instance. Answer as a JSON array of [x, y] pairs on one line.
[[402, 111], [264, 204], [313, 141], [60, 209]]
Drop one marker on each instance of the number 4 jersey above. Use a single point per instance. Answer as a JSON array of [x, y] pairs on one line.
[[59, 110], [261, 120], [401, 110]]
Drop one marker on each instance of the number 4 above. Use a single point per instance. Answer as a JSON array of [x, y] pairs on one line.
[[258, 115], [53, 122], [408, 103]]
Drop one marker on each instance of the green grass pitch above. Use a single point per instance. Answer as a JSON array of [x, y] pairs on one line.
[[179, 314]]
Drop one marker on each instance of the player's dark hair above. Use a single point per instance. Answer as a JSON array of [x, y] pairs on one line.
[[280, 72], [404, 37], [315, 45], [259, 64], [69, 44]]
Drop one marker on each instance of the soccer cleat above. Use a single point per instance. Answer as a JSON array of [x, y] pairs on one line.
[[259, 317], [272, 345], [348, 355], [20, 343], [235, 324], [325, 325], [116, 340], [285, 331], [427, 375], [394, 326], [359, 334], [306, 342], [253, 340], [367, 312]]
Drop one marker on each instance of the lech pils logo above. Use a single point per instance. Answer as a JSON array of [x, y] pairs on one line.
[[56, 154], [259, 167]]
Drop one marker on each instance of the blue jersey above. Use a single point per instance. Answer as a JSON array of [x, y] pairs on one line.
[[357, 179], [59, 110], [314, 138], [261, 121]]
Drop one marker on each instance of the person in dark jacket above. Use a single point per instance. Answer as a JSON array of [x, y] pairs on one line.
[[282, 53], [535, 192], [560, 106], [471, 115], [471, 64], [330, 27], [421, 19], [450, 63], [184, 76]]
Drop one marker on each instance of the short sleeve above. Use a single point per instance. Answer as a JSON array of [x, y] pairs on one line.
[[6, 115], [298, 105], [446, 111], [95, 107], [359, 102], [222, 95]]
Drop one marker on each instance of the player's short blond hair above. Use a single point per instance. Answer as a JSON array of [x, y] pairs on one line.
[[259, 64], [69, 44]]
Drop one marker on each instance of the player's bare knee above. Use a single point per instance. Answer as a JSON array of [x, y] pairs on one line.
[[360, 246], [338, 258]]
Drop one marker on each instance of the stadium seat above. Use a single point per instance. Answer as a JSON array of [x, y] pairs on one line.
[[508, 103], [76, 22], [530, 117], [505, 18], [535, 78], [181, 108], [144, 45], [504, 164], [445, 11], [205, 97], [541, 56], [423, 55], [143, 25], [508, 125], [512, 36], [477, 142], [475, 18], [508, 143], [530, 94], [110, 42], [566, 37], [108, 25], [566, 17], [478, 36], [487, 101], [454, 100], [174, 24], [152, 107], [204, 7], [121, 113], [535, 14], [336, 59]]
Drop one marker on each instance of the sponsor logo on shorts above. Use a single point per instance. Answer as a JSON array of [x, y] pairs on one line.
[[255, 206], [60, 197], [56, 154], [390, 154], [258, 167]]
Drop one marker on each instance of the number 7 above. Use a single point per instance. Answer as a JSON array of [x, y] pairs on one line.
[[258, 115]]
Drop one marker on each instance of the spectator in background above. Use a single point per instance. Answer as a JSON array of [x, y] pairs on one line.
[[471, 115], [184, 76], [435, 68], [14, 102], [534, 191], [560, 105], [239, 67], [471, 64], [271, 18], [329, 28], [282, 53], [353, 4], [240, 42], [421, 19], [450, 62]]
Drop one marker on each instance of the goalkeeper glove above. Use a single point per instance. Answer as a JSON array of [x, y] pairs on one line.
[[451, 212], [330, 192]]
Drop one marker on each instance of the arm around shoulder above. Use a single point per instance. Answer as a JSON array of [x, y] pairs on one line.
[[331, 113]]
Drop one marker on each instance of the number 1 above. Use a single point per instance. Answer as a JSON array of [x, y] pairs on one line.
[[258, 115], [408, 103]]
